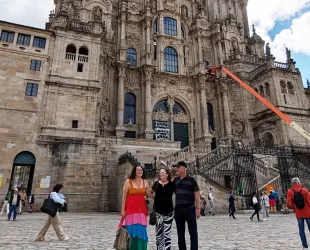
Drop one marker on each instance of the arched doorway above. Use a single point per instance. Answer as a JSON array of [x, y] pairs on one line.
[[23, 171], [170, 122], [269, 140]]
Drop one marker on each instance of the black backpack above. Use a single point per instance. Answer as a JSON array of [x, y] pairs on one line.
[[299, 200]]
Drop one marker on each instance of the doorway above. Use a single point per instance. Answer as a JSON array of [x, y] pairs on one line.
[[228, 180], [181, 133], [23, 171]]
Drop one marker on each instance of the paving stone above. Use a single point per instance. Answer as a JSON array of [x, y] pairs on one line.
[[97, 231]]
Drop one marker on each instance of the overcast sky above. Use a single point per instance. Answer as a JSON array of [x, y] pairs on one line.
[[278, 22]]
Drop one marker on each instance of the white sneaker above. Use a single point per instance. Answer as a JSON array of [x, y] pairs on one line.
[[66, 238], [264, 219]]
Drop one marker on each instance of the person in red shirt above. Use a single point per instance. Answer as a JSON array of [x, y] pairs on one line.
[[302, 214]]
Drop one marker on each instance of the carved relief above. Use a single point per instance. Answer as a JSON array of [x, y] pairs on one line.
[[160, 115], [134, 6], [171, 5], [132, 39], [132, 82], [237, 128], [97, 14], [180, 117]]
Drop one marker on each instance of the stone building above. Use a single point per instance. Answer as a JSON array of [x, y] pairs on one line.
[[108, 77]]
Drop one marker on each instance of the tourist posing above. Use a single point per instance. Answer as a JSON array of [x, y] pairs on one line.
[[134, 209], [163, 190], [232, 207], [187, 208], [6, 205], [14, 204], [265, 205], [255, 204], [54, 221], [298, 198]]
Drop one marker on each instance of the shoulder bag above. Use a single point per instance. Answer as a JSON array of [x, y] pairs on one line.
[[50, 207], [152, 221]]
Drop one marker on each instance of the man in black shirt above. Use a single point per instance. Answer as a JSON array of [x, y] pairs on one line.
[[187, 208]]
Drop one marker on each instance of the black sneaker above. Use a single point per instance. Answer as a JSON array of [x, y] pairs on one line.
[[251, 218]]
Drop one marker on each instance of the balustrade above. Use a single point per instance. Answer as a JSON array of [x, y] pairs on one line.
[[70, 56]]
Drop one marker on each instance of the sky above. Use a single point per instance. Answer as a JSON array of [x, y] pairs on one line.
[[279, 22]]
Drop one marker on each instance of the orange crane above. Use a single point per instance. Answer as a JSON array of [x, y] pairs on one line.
[[286, 118]]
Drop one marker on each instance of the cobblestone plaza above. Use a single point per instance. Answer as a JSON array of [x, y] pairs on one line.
[[97, 231]]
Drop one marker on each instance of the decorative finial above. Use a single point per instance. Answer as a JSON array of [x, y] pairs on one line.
[[253, 28]]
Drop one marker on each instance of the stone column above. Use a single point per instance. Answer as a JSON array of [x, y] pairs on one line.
[[203, 107], [170, 104], [226, 109], [148, 103], [148, 50], [120, 129], [123, 44]]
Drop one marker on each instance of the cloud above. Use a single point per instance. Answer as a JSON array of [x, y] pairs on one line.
[[27, 12]]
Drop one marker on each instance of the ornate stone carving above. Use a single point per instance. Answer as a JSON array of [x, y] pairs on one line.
[[237, 128], [171, 5], [180, 117], [97, 14], [134, 6], [160, 115], [132, 39], [64, 6]]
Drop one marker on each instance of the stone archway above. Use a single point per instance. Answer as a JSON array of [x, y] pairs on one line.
[[23, 171], [171, 122], [269, 139]]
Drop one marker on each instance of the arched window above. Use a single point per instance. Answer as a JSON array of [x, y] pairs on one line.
[[71, 52], [155, 27], [178, 108], [171, 60], [170, 26], [132, 57], [267, 89], [290, 88], [184, 54], [210, 115], [283, 87], [130, 109], [83, 54], [261, 90], [182, 32]]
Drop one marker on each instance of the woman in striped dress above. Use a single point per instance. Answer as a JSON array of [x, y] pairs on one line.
[[163, 189], [134, 208]]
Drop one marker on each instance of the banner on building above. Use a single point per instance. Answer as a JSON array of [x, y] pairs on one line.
[[45, 182]]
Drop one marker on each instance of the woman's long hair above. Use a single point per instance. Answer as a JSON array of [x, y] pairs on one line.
[[168, 173], [253, 194], [132, 175]]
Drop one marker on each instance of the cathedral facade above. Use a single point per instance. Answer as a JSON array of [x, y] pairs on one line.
[[108, 77]]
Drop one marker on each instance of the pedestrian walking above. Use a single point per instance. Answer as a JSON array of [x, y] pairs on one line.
[[134, 209], [163, 190], [31, 200], [265, 205], [255, 204], [232, 207], [298, 198], [6, 205], [187, 208], [54, 221], [14, 204], [211, 199]]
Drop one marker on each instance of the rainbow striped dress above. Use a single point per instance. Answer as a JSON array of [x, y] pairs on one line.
[[136, 217]]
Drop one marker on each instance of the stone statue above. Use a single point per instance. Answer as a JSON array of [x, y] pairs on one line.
[[288, 53], [97, 14], [268, 51], [235, 45], [64, 6]]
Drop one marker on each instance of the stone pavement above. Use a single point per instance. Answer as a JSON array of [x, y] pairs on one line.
[[97, 231]]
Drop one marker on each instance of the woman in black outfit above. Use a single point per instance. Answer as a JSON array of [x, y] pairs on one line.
[[255, 203], [163, 189], [232, 208]]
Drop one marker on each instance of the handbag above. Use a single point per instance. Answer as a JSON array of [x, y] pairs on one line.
[[152, 221], [63, 208], [122, 239], [49, 207]]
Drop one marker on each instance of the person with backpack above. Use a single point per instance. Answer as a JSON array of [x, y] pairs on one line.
[[298, 198]]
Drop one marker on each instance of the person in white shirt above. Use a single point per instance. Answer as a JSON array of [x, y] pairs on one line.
[[256, 206], [211, 199]]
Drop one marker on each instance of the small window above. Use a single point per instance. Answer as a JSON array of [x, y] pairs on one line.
[[290, 88], [155, 51], [130, 109], [39, 42], [132, 57], [83, 51], [23, 39], [261, 90], [75, 123], [32, 89], [283, 87], [267, 87], [35, 65], [184, 54], [171, 60], [155, 27], [285, 101], [170, 26], [80, 67], [7, 36]]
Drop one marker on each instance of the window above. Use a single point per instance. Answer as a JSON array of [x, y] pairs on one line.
[[178, 108], [155, 27], [283, 87], [7, 36], [161, 106], [130, 109], [39, 42], [23, 39], [171, 60], [71, 52], [83, 55], [210, 116], [75, 124], [80, 67], [170, 26], [261, 90], [267, 86], [32, 89], [155, 51], [184, 54], [290, 88], [35, 65], [132, 57]]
